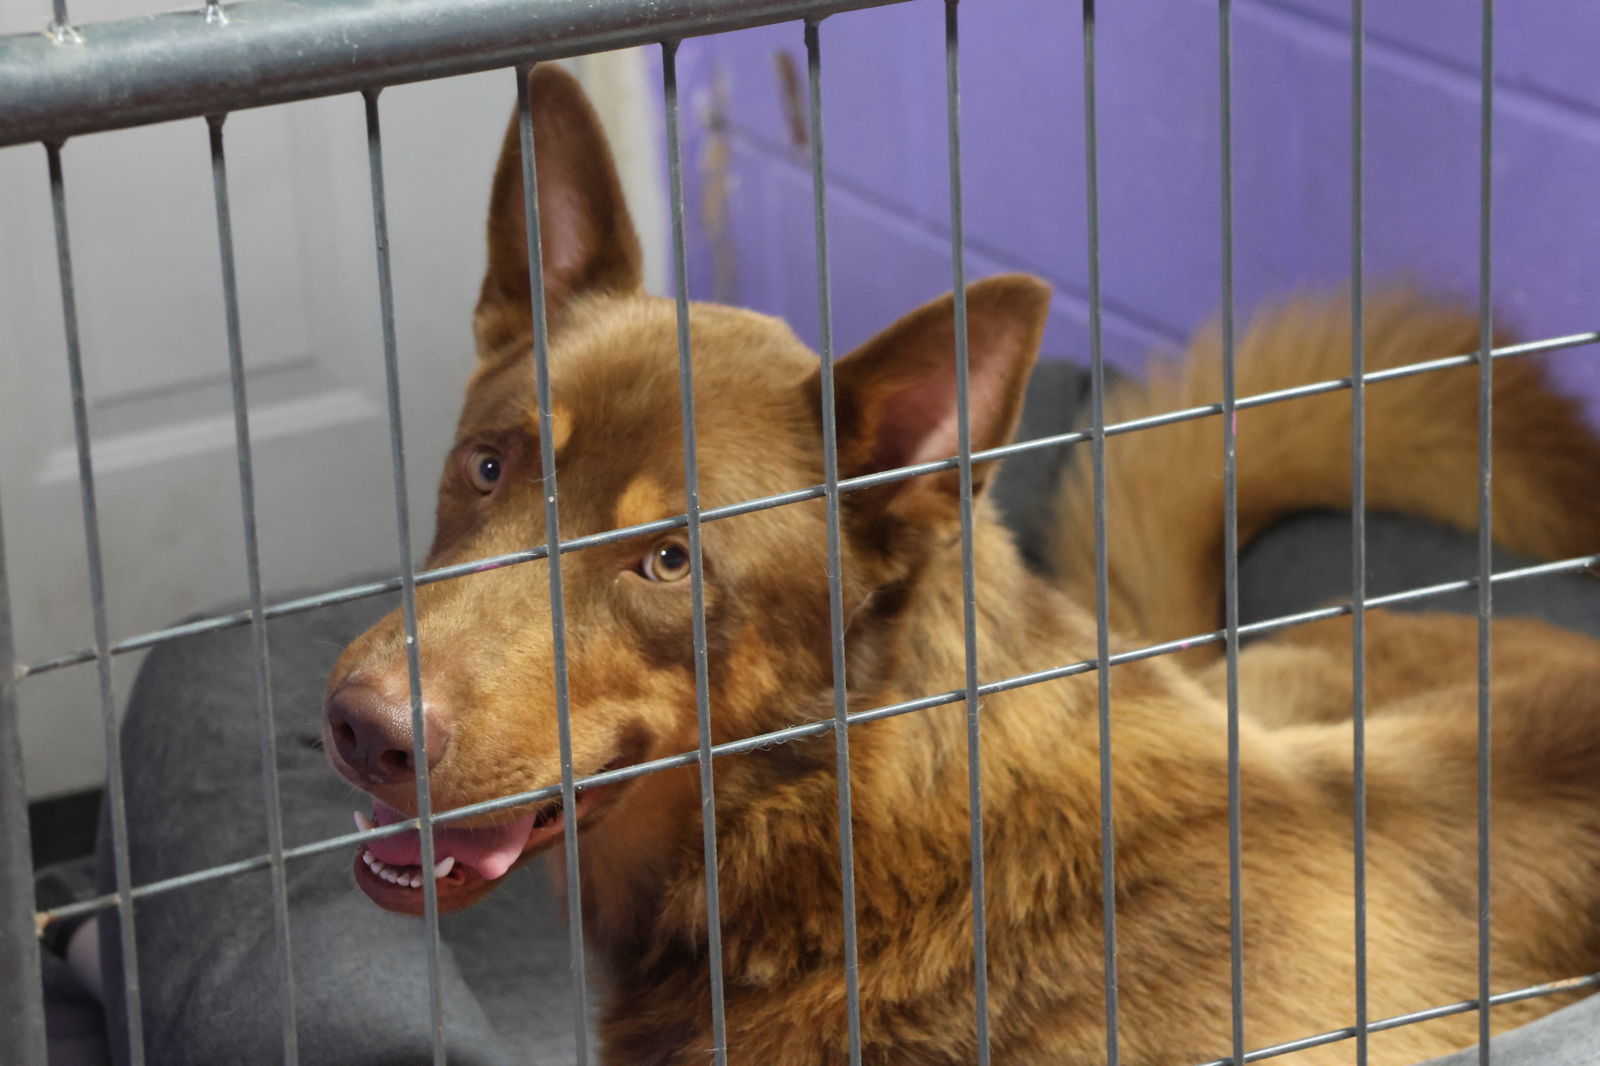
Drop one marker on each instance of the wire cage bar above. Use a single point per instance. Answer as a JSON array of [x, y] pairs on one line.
[[1485, 512], [1358, 521], [969, 591], [1230, 537], [258, 622], [408, 576], [552, 517], [22, 1022], [697, 590], [1102, 578], [830, 487], [70, 81], [97, 596]]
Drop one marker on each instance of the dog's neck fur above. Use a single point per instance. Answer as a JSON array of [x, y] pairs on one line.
[[777, 811]]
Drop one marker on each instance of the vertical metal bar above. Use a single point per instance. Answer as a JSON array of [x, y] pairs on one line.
[[59, 22], [558, 614], [969, 597], [1485, 513], [830, 473], [708, 803], [1102, 579], [1230, 537], [408, 576], [122, 873], [22, 1022], [1358, 515], [252, 561]]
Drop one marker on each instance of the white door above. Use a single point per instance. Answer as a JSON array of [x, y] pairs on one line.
[[144, 249]]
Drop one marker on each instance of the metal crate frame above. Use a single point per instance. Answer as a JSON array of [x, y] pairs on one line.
[[73, 80]]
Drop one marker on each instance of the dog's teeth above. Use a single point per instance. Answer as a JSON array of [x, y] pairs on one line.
[[443, 867], [399, 877], [363, 822]]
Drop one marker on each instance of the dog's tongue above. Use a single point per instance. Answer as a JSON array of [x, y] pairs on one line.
[[489, 850]]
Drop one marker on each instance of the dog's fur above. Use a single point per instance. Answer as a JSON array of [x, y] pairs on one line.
[[487, 670]]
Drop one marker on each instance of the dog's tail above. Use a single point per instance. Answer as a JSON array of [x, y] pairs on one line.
[[1164, 486]]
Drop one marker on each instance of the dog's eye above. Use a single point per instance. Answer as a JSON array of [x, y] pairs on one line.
[[483, 469], [668, 561]]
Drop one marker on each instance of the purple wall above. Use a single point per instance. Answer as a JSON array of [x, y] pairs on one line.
[[1022, 128]]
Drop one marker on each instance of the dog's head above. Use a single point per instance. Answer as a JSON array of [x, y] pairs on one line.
[[488, 662]]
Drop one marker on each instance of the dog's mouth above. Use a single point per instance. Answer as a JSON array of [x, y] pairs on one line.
[[468, 860]]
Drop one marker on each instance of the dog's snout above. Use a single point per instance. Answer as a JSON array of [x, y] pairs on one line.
[[372, 734]]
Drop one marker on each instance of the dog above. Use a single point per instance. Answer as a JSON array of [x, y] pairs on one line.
[[488, 669]]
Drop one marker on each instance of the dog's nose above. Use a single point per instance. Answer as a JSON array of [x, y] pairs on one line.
[[372, 734]]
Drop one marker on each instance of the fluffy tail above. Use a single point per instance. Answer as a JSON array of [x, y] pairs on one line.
[[1164, 487]]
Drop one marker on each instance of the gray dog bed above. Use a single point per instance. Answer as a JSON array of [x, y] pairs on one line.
[[207, 958]]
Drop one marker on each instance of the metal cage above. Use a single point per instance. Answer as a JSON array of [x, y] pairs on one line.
[[75, 80]]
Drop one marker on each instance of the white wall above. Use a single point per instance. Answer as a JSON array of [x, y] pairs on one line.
[[150, 302]]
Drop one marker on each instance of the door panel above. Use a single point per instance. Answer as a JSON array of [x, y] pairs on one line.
[[150, 304]]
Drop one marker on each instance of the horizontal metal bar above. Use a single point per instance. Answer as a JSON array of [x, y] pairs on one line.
[[203, 626], [180, 65], [803, 731], [1551, 988]]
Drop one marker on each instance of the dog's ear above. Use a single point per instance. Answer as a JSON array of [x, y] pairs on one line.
[[586, 237], [896, 394]]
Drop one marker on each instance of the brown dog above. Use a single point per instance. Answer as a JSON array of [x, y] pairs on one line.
[[487, 669]]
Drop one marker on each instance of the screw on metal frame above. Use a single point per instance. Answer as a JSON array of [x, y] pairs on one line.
[[266, 733], [830, 472], [552, 518], [969, 593], [691, 474], [1358, 519], [408, 579], [1102, 579], [22, 1022], [1230, 538], [115, 799], [346, 594], [61, 30], [1485, 513]]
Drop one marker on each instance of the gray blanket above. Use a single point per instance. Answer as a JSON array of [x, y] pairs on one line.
[[208, 975]]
